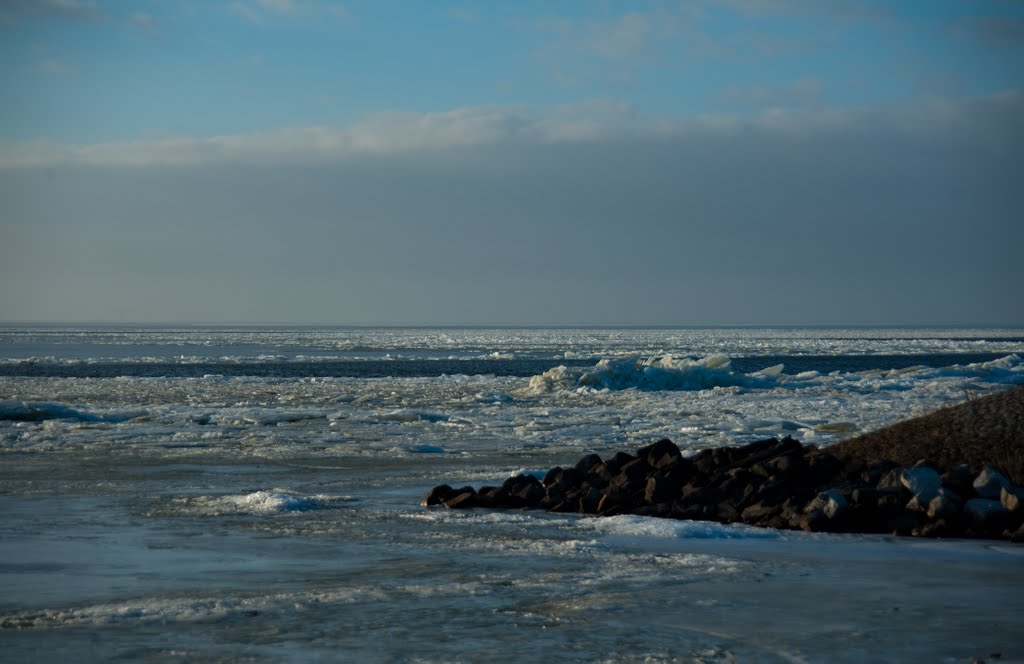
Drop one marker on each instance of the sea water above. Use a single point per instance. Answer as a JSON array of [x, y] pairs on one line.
[[252, 494]]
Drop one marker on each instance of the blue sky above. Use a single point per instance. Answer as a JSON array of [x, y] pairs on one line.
[[781, 161], [91, 72]]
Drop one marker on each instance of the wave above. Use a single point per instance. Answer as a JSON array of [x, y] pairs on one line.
[[654, 374], [664, 373], [13, 410]]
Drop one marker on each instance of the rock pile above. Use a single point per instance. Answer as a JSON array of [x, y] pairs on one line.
[[771, 483]]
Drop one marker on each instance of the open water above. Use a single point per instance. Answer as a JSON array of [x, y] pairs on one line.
[[252, 494]]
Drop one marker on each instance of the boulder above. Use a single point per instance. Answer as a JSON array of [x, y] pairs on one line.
[[821, 467], [615, 464], [871, 476], [960, 478], [986, 515], [466, 497], [947, 505], [520, 491], [705, 495], [632, 478], [662, 487], [437, 495], [937, 528], [590, 501], [892, 479], [989, 483], [759, 512], [587, 464], [660, 454], [561, 478], [830, 503], [1012, 498], [902, 523], [813, 521], [922, 481], [786, 466]]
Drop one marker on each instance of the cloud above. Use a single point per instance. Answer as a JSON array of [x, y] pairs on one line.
[[600, 120], [590, 212]]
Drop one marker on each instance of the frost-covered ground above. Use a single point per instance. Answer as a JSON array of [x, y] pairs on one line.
[[244, 518]]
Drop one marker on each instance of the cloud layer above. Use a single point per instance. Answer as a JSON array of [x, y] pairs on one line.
[[592, 213], [991, 123]]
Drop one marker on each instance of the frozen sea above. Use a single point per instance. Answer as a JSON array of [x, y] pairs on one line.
[[252, 494]]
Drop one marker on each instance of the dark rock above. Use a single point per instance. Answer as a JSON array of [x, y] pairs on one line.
[[960, 478], [820, 467], [830, 503], [946, 505], [902, 523], [737, 482], [723, 512], [922, 481], [710, 460], [938, 528], [893, 479], [660, 454], [486, 496], [786, 466], [774, 492], [589, 501], [462, 499], [632, 478], [989, 484], [552, 476], [759, 512], [600, 476], [875, 473], [586, 465], [813, 521], [437, 495], [662, 487], [709, 495], [752, 454], [865, 497], [613, 503], [615, 464], [986, 516], [520, 491]]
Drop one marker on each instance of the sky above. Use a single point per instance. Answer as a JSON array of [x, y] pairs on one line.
[[375, 162]]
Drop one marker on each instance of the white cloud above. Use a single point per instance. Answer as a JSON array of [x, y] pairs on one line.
[[982, 121]]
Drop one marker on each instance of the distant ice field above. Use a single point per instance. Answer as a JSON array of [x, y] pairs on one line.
[[251, 494]]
